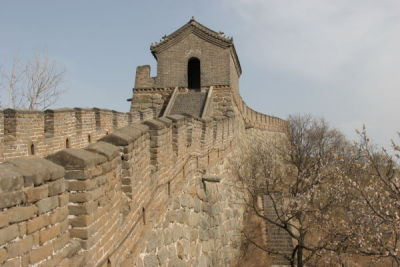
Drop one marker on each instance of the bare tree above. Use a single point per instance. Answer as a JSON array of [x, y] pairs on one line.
[[35, 84], [373, 214], [301, 179], [338, 202]]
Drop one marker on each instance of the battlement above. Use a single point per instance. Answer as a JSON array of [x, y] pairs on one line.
[[40, 133], [257, 119], [90, 206], [97, 187]]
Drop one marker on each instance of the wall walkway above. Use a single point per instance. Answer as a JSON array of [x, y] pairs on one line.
[[96, 182]]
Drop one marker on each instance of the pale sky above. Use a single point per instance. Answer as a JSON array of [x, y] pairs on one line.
[[337, 59]]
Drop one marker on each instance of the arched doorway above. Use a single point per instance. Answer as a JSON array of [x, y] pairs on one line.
[[193, 73]]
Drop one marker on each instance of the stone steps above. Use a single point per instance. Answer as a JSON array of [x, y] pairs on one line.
[[190, 103], [277, 238]]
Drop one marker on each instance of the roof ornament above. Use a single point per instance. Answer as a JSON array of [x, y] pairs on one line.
[[192, 19]]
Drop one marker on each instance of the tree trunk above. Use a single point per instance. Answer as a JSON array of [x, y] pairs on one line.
[[300, 255]]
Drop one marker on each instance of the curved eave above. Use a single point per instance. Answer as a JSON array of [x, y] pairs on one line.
[[200, 31]]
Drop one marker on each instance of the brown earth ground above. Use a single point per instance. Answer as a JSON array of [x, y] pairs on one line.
[[254, 257], [251, 255]]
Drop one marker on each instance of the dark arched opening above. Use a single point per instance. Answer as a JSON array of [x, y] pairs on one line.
[[194, 73], [32, 149]]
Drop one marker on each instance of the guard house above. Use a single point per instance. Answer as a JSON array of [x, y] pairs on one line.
[[191, 63]]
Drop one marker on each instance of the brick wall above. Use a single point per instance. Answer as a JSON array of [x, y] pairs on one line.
[[91, 206], [33, 215], [172, 63], [257, 119], [143, 79], [154, 98], [27, 133]]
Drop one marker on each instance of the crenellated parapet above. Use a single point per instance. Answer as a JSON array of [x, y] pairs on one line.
[[92, 187], [40, 133], [257, 119], [90, 206]]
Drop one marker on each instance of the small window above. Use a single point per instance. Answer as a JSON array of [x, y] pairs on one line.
[[144, 215], [89, 138], [193, 73], [67, 145], [32, 149]]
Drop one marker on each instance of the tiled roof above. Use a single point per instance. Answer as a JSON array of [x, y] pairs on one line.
[[216, 38]]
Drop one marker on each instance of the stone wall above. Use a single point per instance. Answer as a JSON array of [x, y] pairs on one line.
[[224, 99], [143, 78], [221, 101], [34, 227], [27, 133], [154, 98], [201, 226], [93, 206], [255, 119], [172, 63]]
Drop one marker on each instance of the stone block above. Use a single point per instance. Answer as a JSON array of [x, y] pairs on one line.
[[58, 215], [3, 219], [155, 124], [47, 204], [37, 223], [22, 228], [81, 185], [15, 262], [176, 118], [176, 262], [10, 178], [166, 121], [37, 170], [76, 159], [3, 255], [20, 247], [150, 260], [83, 209], [126, 135], [106, 149], [40, 253], [9, 199], [49, 233], [18, 214], [152, 242], [34, 194], [8, 233], [77, 260], [57, 187], [61, 241], [77, 175], [63, 200]]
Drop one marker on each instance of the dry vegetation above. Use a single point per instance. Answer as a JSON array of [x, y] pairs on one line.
[[34, 84], [338, 201]]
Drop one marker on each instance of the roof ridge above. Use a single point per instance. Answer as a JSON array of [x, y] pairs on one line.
[[192, 23]]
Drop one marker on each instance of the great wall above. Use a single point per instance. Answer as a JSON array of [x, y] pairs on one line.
[[150, 187]]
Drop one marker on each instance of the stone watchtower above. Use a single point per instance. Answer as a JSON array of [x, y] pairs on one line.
[[192, 62]]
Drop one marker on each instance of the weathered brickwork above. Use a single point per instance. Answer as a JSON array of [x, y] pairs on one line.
[[94, 187], [201, 226], [172, 63], [95, 208], [143, 79], [154, 98], [217, 55], [33, 215], [36, 133]]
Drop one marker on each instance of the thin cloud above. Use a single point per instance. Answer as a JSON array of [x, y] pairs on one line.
[[350, 47]]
